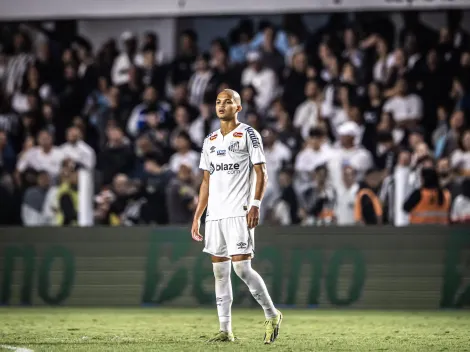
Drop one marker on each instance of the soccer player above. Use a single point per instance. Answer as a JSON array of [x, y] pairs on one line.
[[233, 162]]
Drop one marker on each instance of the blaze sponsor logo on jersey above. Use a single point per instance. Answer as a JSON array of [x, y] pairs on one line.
[[254, 139], [221, 152], [213, 137], [234, 146], [228, 168], [212, 149], [238, 134]]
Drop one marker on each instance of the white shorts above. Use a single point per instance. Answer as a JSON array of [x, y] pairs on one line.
[[229, 236]]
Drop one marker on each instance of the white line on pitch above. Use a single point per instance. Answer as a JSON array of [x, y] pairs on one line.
[[16, 349]]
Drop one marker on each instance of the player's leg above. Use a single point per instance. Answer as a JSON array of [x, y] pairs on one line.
[[221, 264], [241, 249]]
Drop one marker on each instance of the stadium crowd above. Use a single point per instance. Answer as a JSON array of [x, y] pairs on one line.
[[339, 110]]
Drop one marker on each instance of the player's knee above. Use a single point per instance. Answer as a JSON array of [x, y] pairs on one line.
[[242, 269], [221, 270]]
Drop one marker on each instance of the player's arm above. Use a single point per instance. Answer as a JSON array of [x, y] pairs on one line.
[[203, 194], [257, 158]]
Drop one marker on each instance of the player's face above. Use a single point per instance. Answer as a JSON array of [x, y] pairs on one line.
[[226, 107]]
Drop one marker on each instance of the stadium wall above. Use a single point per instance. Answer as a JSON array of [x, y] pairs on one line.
[[373, 267]]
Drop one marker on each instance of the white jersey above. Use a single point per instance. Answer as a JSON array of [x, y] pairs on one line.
[[229, 160]]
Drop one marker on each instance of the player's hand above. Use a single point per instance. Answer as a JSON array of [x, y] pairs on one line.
[[195, 231], [252, 218]]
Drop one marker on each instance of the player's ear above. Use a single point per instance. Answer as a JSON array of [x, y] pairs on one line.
[[239, 108]]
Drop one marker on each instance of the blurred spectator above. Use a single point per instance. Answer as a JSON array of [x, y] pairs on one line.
[[199, 80], [345, 205], [308, 113], [316, 152], [181, 195], [318, 202], [430, 204], [184, 155], [286, 207], [77, 150], [446, 139], [181, 68], [138, 120], [44, 157], [18, 63], [278, 156], [127, 58], [7, 154], [460, 212], [32, 209], [347, 151], [156, 179], [270, 56], [460, 159], [153, 74], [368, 208], [263, 79], [206, 123], [447, 177], [67, 194], [117, 156]]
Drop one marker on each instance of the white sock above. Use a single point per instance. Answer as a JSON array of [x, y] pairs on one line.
[[223, 294], [256, 286]]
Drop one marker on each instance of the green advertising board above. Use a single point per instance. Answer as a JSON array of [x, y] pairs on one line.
[[360, 267]]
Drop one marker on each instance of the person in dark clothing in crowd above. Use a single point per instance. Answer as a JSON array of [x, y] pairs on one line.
[[181, 197], [386, 153], [68, 194], [117, 156], [430, 204], [181, 68], [367, 208], [155, 182], [288, 199], [447, 177]]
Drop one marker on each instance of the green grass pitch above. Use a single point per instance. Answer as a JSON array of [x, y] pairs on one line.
[[167, 329]]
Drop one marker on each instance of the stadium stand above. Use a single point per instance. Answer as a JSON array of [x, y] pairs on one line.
[[349, 115]]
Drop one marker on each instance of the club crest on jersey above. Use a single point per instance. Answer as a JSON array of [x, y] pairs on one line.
[[221, 152], [213, 137], [212, 149], [234, 146], [238, 134]]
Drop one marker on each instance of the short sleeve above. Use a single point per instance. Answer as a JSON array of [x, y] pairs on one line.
[[255, 146], [204, 163]]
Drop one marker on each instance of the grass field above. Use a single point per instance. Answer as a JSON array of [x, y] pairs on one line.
[[161, 330]]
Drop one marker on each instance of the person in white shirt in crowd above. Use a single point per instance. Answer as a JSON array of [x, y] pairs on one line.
[[347, 197], [308, 113], [336, 106], [460, 158], [44, 157], [34, 199], [184, 154], [316, 152], [277, 156], [77, 150], [263, 79], [126, 59], [406, 109], [460, 212], [204, 124], [384, 61], [199, 81], [347, 151]]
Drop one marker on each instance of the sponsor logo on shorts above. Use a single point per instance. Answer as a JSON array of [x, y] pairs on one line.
[[234, 146], [238, 134], [242, 245], [228, 168], [221, 152], [212, 149]]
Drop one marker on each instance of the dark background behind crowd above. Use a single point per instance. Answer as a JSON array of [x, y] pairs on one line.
[[340, 110]]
